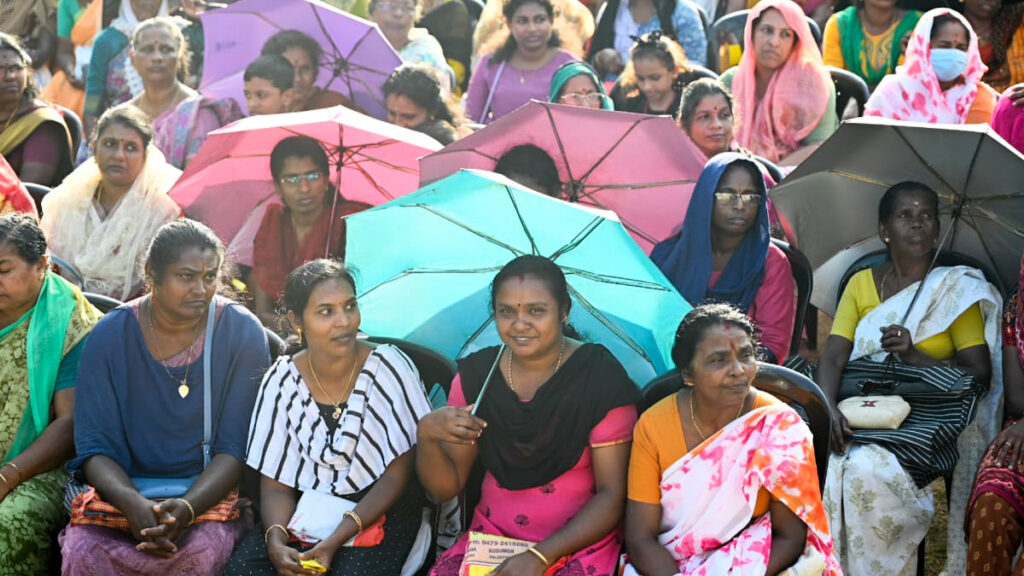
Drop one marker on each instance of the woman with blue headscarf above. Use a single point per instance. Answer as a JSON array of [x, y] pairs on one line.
[[724, 252], [576, 84]]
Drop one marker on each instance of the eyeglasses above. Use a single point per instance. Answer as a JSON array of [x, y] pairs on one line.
[[396, 7], [12, 69], [297, 178], [748, 198], [581, 99]]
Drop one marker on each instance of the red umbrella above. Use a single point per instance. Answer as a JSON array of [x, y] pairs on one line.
[[640, 166], [229, 179]]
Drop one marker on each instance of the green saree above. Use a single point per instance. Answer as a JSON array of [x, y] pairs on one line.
[[31, 352]]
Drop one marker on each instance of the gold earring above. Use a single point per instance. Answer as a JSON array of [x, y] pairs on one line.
[[299, 330], [886, 239]]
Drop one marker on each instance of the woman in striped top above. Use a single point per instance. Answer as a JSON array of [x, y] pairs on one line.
[[337, 419]]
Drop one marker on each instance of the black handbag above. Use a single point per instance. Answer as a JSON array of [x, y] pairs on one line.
[[942, 400]]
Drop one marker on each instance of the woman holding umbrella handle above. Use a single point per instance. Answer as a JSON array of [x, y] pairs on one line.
[[868, 325], [553, 433]]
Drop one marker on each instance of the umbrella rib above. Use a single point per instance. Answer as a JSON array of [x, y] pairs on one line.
[[600, 317], [645, 185], [578, 239], [924, 162], [981, 238], [489, 238], [618, 280], [415, 271], [995, 220], [611, 149], [476, 333], [558, 140], [522, 221]]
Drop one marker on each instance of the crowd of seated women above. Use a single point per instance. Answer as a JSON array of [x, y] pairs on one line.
[[143, 475]]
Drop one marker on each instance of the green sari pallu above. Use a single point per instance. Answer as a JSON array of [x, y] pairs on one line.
[[34, 510], [851, 39]]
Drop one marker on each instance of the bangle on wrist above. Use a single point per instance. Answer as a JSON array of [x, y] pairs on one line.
[[538, 554], [266, 535], [191, 511], [355, 518]]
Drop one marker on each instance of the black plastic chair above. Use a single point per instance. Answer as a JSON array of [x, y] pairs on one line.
[[74, 124], [102, 303], [773, 169], [434, 367], [791, 387], [803, 277], [38, 192], [698, 71], [733, 24], [277, 345], [946, 258], [848, 86]]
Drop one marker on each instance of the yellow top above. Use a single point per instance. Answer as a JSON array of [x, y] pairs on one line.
[[861, 297], [875, 48], [658, 442]]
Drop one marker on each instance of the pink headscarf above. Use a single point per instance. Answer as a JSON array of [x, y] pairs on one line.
[[797, 96], [913, 92], [1008, 122]]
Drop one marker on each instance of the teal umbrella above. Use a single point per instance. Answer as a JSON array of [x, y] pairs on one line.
[[424, 264]]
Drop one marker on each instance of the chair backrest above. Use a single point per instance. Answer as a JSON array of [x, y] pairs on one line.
[[74, 124], [787, 385], [37, 191], [102, 303], [434, 367], [803, 277], [277, 345], [733, 24], [773, 169], [946, 258], [702, 72], [849, 86]]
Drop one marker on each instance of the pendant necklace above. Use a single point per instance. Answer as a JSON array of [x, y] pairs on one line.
[[693, 415], [351, 382], [183, 388]]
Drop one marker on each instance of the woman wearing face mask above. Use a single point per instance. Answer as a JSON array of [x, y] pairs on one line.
[[940, 81]]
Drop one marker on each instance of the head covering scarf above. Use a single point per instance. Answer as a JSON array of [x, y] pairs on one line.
[[913, 92], [686, 258], [109, 252], [797, 95], [570, 70], [1008, 122]]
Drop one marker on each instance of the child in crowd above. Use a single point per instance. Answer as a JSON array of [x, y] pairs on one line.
[[269, 85]]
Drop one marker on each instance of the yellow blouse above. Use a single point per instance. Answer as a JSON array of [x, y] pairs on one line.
[[861, 297]]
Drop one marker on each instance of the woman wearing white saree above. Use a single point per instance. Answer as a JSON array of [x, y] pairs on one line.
[[101, 219], [749, 455], [879, 509]]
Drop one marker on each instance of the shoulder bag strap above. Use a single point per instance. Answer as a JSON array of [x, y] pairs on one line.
[[207, 385], [490, 94]]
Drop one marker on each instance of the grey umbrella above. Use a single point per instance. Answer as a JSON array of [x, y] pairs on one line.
[[830, 201]]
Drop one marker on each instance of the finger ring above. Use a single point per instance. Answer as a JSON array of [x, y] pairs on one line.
[[899, 333], [1007, 443]]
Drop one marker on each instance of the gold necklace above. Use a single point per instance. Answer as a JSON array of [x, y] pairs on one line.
[[351, 382], [558, 364], [183, 388], [693, 415]]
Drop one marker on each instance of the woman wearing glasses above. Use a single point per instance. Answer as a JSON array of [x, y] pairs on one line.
[[306, 225], [576, 84], [724, 252], [414, 45]]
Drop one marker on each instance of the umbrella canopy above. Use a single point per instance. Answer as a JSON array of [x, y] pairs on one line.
[[356, 58], [641, 167], [831, 200], [425, 263], [371, 161]]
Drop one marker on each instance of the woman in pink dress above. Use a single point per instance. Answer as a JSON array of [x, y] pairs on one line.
[[552, 432]]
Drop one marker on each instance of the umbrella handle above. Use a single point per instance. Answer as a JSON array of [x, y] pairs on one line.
[[487, 381]]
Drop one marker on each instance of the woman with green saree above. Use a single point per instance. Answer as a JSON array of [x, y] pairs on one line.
[[44, 322], [867, 38]]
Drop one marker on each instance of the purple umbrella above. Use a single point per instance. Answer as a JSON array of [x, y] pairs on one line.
[[356, 59]]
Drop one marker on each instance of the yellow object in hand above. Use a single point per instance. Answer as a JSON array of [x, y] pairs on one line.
[[313, 565]]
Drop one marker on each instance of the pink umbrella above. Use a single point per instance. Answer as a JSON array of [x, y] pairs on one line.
[[640, 166], [229, 179], [356, 59]]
